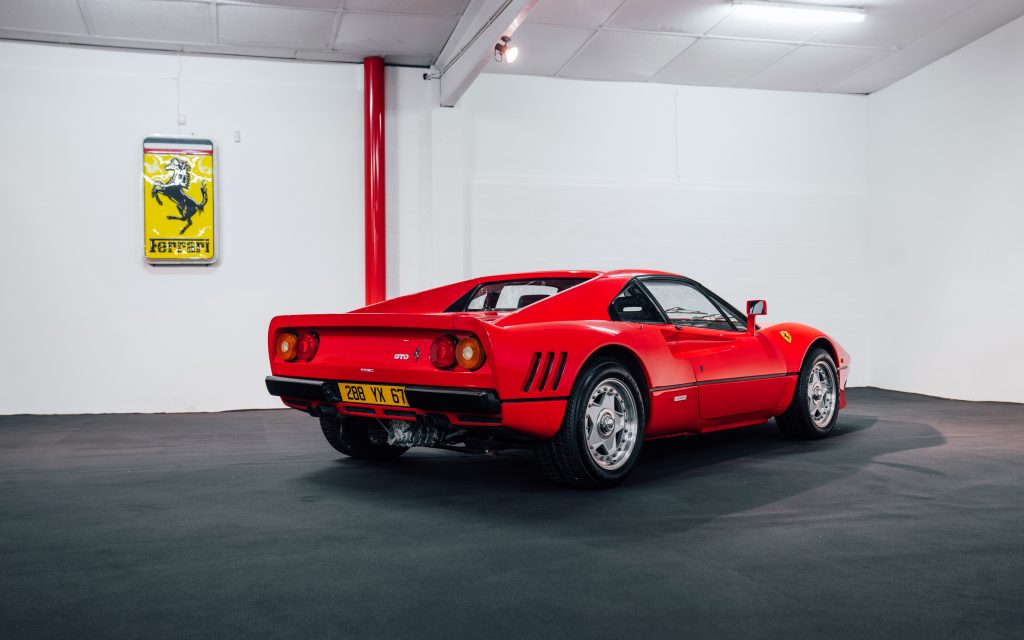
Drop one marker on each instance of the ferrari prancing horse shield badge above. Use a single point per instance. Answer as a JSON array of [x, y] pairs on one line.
[[178, 205]]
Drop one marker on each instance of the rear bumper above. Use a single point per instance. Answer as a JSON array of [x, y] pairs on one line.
[[538, 418], [446, 399]]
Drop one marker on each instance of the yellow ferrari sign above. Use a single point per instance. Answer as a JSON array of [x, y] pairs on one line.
[[177, 207]]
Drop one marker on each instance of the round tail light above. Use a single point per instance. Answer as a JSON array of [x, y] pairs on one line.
[[307, 346], [469, 353], [442, 352], [286, 346]]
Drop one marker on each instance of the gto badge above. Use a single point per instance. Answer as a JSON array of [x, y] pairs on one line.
[[785, 336], [401, 356]]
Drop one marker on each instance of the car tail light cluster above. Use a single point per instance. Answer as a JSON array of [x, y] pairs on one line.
[[442, 352], [297, 345], [446, 351], [469, 353]]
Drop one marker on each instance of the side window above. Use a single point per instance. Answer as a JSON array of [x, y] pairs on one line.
[[486, 300], [687, 306], [519, 296], [633, 305]]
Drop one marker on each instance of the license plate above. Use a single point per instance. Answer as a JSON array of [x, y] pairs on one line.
[[373, 394]]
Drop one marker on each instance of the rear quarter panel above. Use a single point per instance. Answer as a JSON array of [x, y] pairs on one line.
[[516, 348]]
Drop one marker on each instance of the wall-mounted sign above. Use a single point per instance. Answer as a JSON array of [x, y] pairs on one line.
[[177, 200]]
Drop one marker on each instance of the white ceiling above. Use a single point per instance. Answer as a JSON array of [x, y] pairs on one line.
[[702, 42], [408, 32], [698, 42]]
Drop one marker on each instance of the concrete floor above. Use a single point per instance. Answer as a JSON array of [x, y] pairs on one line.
[[909, 522]]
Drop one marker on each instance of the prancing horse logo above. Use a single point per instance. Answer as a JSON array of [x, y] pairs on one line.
[[416, 354], [176, 190]]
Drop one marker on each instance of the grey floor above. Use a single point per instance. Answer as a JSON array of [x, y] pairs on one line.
[[909, 522]]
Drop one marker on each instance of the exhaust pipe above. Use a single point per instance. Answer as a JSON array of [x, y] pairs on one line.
[[424, 432]]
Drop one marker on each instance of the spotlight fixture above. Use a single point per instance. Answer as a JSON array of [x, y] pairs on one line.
[[505, 52], [793, 12]]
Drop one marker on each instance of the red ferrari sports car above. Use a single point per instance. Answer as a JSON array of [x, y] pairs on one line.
[[582, 366]]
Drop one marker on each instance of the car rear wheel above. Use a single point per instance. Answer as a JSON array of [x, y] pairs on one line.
[[351, 436], [815, 407], [602, 432]]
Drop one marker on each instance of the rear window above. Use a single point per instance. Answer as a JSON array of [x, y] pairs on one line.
[[512, 294]]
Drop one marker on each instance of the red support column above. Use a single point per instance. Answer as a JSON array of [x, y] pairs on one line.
[[373, 141]]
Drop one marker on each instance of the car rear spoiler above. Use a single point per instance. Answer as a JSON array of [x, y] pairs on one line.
[[435, 321]]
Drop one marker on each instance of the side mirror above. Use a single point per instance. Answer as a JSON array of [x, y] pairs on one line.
[[755, 308]]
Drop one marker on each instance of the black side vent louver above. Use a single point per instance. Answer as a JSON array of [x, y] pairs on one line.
[[559, 370], [549, 363]]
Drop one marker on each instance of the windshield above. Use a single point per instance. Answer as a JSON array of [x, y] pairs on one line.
[[514, 294]]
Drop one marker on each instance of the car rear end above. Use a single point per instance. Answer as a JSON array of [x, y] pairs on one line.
[[386, 366], [435, 367]]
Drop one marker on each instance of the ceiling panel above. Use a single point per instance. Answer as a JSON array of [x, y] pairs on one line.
[[694, 16], [629, 40], [274, 26], [882, 72], [543, 49], [624, 55], [152, 20], [721, 63], [421, 7], [809, 68], [968, 26], [573, 13], [54, 16], [742, 26], [393, 34], [329, 5], [890, 23]]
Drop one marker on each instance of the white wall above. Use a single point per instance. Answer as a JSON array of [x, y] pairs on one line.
[[891, 221], [87, 326], [754, 193], [947, 207], [723, 198]]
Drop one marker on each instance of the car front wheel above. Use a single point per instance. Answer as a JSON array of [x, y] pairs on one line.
[[815, 405]]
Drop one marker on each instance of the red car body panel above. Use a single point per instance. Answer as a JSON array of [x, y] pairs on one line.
[[694, 379]]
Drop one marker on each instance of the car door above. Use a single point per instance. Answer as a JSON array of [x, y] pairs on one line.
[[738, 374]]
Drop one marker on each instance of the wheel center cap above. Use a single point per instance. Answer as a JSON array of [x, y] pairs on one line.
[[606, 424]]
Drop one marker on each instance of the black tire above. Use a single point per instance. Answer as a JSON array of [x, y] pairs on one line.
[[350, 436], [797, 421], [566, 458]]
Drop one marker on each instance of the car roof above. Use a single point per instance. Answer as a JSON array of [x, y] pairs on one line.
[[440, 298], [572, 273]]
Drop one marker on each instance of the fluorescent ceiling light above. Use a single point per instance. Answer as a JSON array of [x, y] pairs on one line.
[[792, 12]]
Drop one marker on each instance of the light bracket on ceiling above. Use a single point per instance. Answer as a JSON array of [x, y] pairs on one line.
[[796, 12], [505, 51]]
